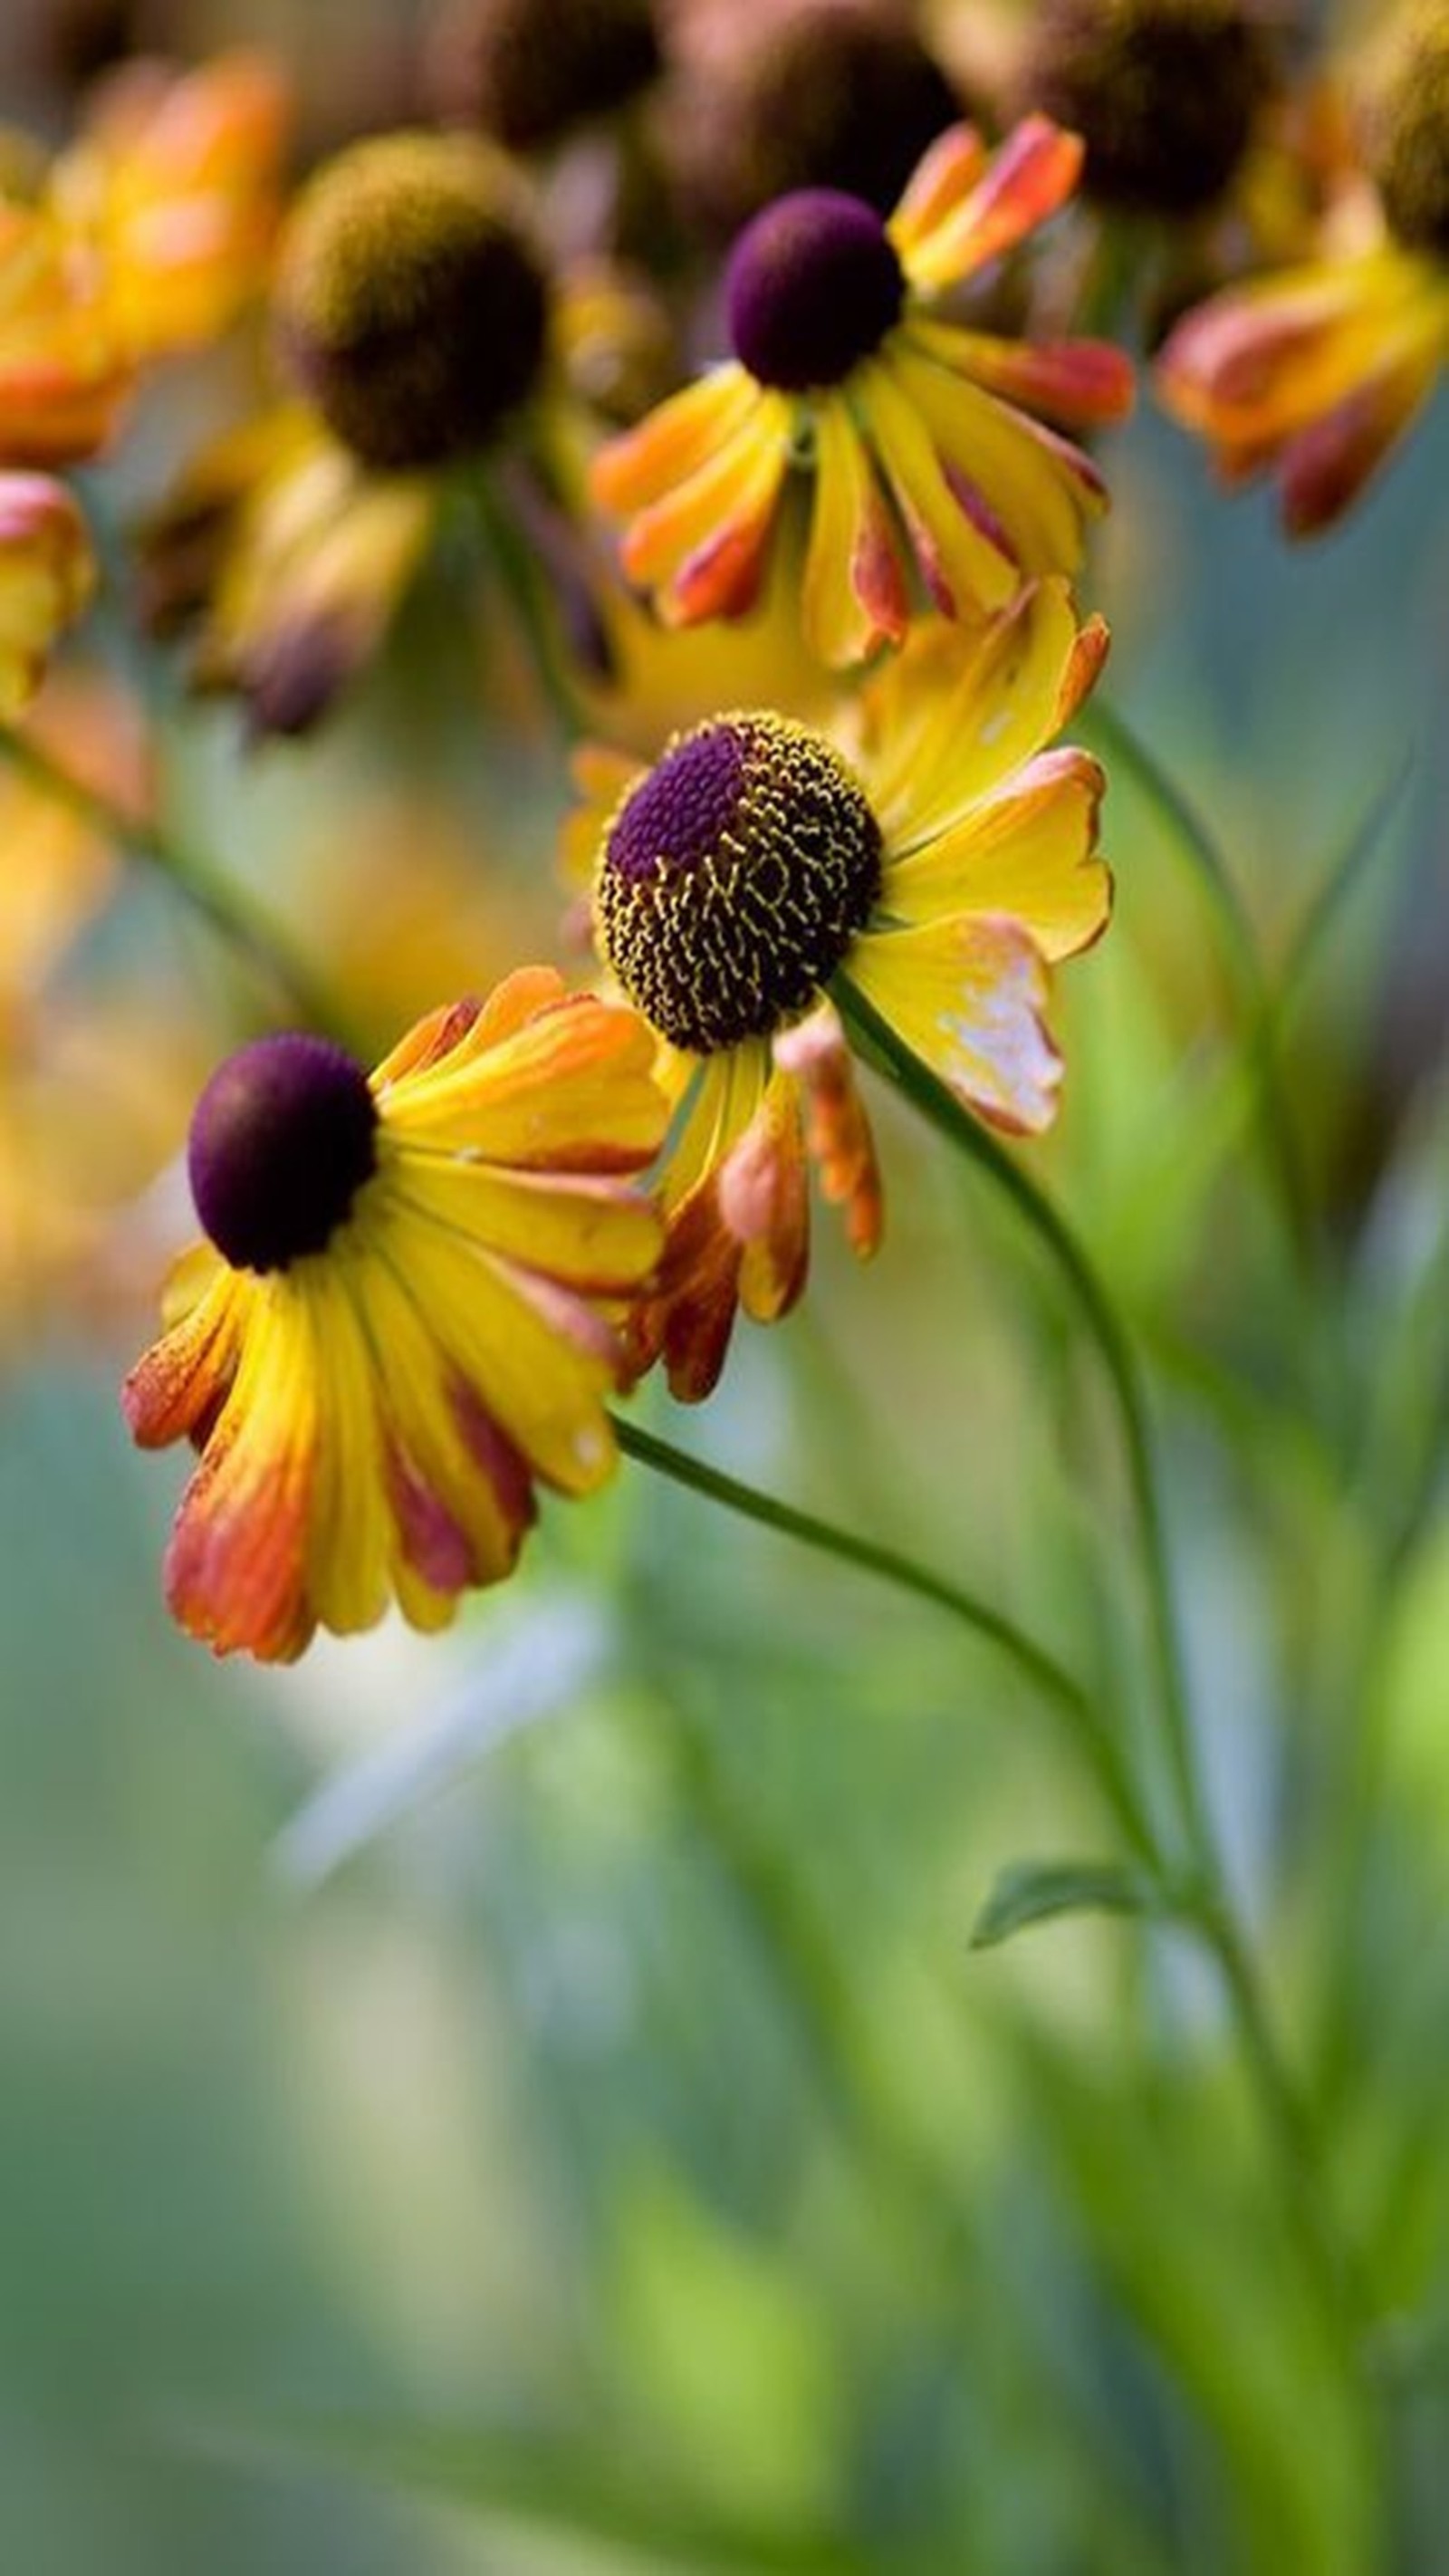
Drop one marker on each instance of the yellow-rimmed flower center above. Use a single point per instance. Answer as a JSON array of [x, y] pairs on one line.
[[409, 306], [282, 1139], [734, 878], [1406, 127], [812, 287]]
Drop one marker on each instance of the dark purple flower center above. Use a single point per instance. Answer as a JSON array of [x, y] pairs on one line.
[[734, 878], [282, 1139], [813, 285]]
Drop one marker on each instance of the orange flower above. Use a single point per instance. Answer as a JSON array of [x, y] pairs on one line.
[[171, 189], [64, 369], [402, 1326], [916, 433], [1315, 373], [1312, 375]]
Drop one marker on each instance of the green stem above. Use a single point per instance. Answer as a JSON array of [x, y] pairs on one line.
[[227, 906], [1045, 1674], [1212, 1915], [957, 1124], [1191, 836]]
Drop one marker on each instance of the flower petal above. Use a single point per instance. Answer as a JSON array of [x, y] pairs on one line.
[[1037, 486], [945, 729], [854, 595], [570, 1089], [969, 994], [1081, 382], [1027, 853], [965, 569], [673, 442], [1028, 178]]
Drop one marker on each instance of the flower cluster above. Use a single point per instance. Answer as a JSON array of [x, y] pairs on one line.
[[843, 549]]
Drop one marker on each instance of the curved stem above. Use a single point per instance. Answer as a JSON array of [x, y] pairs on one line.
[[1212, 1914], [967, 1134], [1049, 1678], [1193, 839], [227, 906]]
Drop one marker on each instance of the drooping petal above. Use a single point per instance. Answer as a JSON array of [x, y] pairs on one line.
[[184, 1378], [673, 442], [1026, 853], [764, 1199], [966, 570], [1326, 466], [1039, 488], [1083, 383], [969, 995], [838, 1137], [854, 595], [1027, 179], [700, 546], [236, 1565], [1355, 339]]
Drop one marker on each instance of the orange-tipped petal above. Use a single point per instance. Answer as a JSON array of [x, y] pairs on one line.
[[671, 445], [854, 594], [1028, 178], [838, 1137], [1083, 383], [943, 178]]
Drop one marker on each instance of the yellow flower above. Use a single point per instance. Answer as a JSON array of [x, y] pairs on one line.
[[909, 426], [396, 1329], [932, 856], [1314, 373], [171, 191], [64, 371], [46, 574], [423, 336], [148, 234]]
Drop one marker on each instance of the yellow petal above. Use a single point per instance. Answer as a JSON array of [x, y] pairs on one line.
[[1028, 853], [854, 594], [945, 728], [964, 570], [968, 995]]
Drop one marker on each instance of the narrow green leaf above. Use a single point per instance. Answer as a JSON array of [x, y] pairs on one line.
[[1033, 1891]]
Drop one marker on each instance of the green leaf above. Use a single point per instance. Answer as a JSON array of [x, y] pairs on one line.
[[1032, 1891]]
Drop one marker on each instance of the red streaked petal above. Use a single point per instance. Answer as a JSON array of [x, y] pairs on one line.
[[1079, 382], [1028, 178]]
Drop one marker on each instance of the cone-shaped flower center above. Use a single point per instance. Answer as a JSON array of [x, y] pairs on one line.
[[409, 306], [1407, 127], [734, 878], [812, 287], [282, 1139]]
